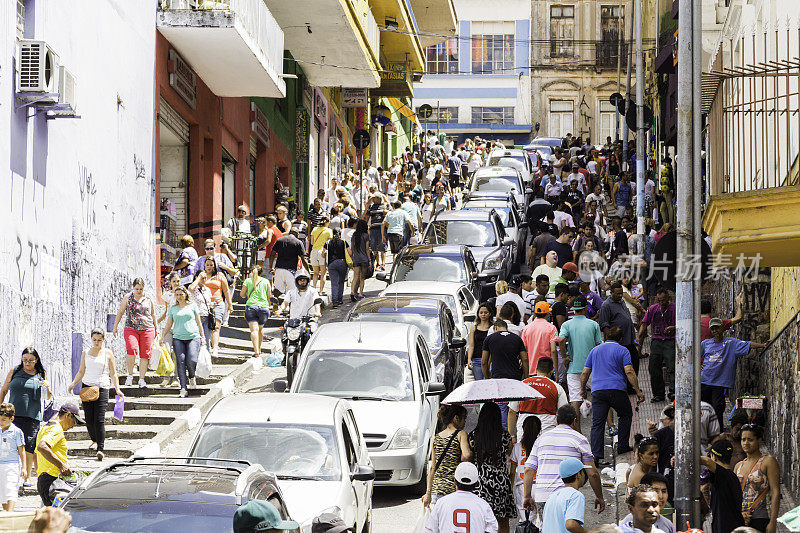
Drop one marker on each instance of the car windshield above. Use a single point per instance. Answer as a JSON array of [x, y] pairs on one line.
[[495, 184], [430, 268], [429, 325], [507, 161], [503, 212], [358, 375], [448, 299], [125, 515], [467, 232], [287, 450]]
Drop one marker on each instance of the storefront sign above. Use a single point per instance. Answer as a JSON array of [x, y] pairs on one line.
[[301, 134], [182, 79], [320, 108], [390, 128], [259, 124], [396, 72], [354, 97]]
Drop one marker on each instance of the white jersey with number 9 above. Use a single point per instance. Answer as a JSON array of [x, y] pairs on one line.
[[461, 512]]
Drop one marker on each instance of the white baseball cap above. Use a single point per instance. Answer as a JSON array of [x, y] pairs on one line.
[[466, 474]]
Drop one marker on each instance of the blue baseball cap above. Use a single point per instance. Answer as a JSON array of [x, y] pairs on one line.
[[571, 466]]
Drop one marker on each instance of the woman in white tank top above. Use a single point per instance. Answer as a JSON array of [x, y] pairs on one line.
[[97, 369]]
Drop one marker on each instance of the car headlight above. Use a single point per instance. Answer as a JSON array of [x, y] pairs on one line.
[[293, 334], [494, 260], [404, 438], [305, 527]]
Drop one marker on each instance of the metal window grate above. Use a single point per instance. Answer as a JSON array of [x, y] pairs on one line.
[[20, 19], [29, 67]]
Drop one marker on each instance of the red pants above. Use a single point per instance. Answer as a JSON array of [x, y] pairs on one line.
[[139, 342]]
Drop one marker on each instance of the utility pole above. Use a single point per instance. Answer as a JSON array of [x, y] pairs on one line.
[[687, 397], [624, 162], [438, 117], [640, 134], [620, 32]]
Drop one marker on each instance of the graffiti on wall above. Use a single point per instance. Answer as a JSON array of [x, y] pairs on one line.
[[88, 190]]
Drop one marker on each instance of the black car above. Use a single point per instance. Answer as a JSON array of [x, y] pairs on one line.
[[170, 495], [443, 262], [434, 318], [484, 233]]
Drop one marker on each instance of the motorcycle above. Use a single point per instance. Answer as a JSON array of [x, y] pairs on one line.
[[295, 335]]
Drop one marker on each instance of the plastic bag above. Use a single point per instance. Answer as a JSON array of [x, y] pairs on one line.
[[166, 366], [422, 520], [50, 409], [586, 409], [274, 359], [119, 407], [527, 525], [155, 350], [203, 369]]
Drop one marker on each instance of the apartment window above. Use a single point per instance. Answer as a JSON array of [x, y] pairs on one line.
[[560, 118], [20, 19], [492, 115], [606, 126], [492, 47], [442, 58], [562, 31], [446, 115], [607, 49]]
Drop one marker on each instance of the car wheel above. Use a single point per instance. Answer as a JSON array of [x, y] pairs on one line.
[[421, 487]]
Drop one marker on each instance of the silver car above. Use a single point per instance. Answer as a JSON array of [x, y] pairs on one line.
[[386, 372], [455, 295], [312, 443]]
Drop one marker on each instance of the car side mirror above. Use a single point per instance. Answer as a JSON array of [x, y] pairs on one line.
[[280, 385], [363, 473], [508, 241], [434, 388], [458, 342], [382, 276]]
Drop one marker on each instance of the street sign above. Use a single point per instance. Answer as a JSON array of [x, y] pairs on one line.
[[630, 117], [354, 97], [361, 139], [425, 111], [615, 99]]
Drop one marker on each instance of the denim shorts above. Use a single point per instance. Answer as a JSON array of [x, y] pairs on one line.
[[256, 313], [218, 310]]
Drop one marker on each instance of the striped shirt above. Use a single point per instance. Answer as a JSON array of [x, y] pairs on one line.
[[552, 447]]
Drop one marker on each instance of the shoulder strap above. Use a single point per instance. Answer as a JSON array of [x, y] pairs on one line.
[[441, 457]]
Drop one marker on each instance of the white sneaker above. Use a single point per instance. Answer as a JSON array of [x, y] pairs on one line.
[[142, 384], [129, 381], [192, 383], [182, 394]]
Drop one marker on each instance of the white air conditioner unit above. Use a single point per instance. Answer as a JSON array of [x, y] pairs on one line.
[[37, 69], [66, 92]]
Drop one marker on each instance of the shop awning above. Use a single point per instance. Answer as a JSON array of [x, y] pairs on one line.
[[403, 109]]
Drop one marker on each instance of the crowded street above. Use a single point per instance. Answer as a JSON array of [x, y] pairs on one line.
[[400, 266]]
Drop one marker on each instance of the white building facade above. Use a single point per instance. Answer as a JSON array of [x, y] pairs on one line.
[[77, 219], [478, 82]]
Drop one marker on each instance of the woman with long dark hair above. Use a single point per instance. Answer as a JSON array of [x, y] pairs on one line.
[[449, 447], [220, 298], [97, 369], [24, 384], [760, 477], [478, 333], [491, 445], [361, 259], [531, 428]]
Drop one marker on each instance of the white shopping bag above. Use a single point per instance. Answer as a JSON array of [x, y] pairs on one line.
[[203, 369], [586, 409], [422, 520]]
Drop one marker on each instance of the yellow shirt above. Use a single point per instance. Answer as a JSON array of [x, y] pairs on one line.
[[52, 434], [319, 236]]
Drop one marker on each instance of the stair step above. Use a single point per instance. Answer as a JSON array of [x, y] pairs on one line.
[[217, 372], [137, 392], [154, 403], [150, 417], [116, 449], [117, 431]]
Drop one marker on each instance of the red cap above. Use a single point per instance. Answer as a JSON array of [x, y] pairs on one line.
[[572, 267]]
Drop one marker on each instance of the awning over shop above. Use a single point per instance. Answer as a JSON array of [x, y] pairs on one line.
[[403, 109]]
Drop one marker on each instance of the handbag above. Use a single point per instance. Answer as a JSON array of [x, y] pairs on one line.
[[90, 394], [210, 322], [348, 257]]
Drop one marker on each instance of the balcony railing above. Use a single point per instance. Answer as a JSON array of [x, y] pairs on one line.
[[573, 53], [254, 16]]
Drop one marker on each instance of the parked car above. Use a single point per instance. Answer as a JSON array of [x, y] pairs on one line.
[[311, 443], [457, 296], [498, 182], [552, 142], [513, 222], [433, 318], [482, 231], [386, 372], [538, 154], [444, 262], [168, 495], [512, 158]]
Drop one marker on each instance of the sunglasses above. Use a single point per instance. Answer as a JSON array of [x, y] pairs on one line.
[[209, 247]]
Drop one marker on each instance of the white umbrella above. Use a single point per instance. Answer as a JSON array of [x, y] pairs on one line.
[[492, 390]]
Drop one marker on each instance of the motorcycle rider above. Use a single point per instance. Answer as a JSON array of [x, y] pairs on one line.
[[301, 298]]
